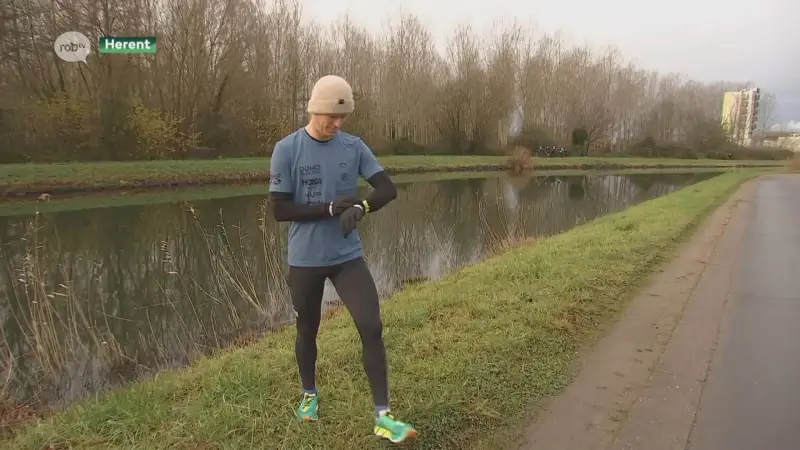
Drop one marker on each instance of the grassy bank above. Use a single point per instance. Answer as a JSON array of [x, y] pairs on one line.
[[457, 349], [34, 179]]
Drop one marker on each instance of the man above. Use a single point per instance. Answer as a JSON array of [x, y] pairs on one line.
[[313, 184]]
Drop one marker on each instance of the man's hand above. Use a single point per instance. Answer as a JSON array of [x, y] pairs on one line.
[[340, 205], [350, 218]]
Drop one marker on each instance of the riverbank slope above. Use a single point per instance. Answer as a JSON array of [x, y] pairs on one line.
[[37, 179], [457, 348]]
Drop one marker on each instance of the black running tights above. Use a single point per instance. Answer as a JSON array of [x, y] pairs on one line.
[[356, 288]]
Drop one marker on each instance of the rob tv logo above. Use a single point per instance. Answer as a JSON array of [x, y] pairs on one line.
[[72, 46]]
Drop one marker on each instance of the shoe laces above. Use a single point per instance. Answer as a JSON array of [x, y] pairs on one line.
[[393, 422], [307, 399]]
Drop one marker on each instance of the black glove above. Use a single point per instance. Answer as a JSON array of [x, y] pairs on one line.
[[350, 218], [340, 205]]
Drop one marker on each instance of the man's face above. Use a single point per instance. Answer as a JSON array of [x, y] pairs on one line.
[[330, 124]]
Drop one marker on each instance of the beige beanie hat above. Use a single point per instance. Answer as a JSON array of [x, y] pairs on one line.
[[331, 95]]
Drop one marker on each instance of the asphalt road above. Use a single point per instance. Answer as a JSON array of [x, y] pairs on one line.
[[751, 400]]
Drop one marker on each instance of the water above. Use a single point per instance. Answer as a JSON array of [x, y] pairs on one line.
[[93, 298]]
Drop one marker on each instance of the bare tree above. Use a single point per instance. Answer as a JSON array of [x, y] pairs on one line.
[[235, 75], [766, 111]]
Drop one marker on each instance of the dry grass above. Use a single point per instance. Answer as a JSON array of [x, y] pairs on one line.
[[520, 160], [54, 325], [510, 232], [59, 326]]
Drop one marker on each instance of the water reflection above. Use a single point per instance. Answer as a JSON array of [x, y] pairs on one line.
[[93, 298]]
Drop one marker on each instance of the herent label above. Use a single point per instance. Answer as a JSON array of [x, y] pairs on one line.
[[127, 44]]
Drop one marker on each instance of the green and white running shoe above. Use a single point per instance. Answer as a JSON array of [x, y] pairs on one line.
[[309, 407], [387, 427]]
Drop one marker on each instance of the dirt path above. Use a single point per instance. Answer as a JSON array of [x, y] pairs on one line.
[[639, 386]]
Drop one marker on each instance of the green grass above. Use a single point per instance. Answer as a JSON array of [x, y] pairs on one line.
[[468, 354], [110, 175]]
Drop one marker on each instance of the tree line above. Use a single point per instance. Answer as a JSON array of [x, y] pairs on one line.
[[231, 77]]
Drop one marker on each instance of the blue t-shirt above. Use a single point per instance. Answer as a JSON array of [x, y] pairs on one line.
[[320, 172]]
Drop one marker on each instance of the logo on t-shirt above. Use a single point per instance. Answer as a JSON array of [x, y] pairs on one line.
[[310, 170]]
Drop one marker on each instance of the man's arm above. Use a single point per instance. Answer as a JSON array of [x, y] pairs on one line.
[[383, 191], [281, 188], [284, 209], [383, 188]]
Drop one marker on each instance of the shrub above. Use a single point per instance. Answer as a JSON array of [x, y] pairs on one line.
[[520, 159], [157, 135], [794, 163]]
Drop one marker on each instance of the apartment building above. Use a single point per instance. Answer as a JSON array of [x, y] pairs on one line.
[[740, 114]]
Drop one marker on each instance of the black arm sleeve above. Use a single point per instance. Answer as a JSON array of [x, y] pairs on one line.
[[284, 209], [384, 191]]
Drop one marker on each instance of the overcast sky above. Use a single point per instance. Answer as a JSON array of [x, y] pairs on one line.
[[709, 40]]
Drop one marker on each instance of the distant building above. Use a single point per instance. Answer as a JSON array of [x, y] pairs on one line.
[[740, 114], [783, 139]]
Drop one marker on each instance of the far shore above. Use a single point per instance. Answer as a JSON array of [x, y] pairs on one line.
[[25, 180]]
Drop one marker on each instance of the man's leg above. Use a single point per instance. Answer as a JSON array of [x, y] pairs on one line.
[[355, 286], [306, 286]]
